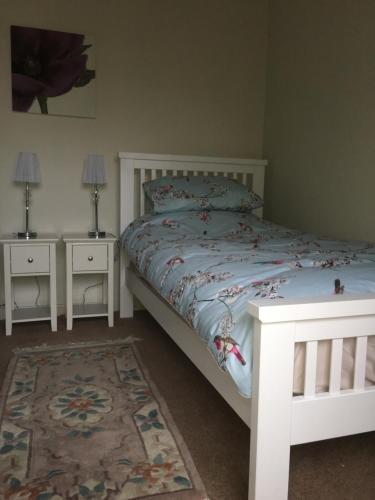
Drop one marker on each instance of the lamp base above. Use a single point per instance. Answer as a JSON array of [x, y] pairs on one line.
[[96, 234], [27, 235]]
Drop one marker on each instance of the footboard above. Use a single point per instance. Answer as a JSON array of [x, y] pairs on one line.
[[280, 419]]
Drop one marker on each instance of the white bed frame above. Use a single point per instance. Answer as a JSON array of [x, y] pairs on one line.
[[277, 419]]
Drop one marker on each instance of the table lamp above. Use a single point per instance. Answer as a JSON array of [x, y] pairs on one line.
[[27, 171], [94, 173]]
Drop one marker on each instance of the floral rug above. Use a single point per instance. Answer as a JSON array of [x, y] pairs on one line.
[[85, 421]]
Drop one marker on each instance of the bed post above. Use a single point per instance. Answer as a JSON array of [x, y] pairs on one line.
[[126, 217], [271, 410]]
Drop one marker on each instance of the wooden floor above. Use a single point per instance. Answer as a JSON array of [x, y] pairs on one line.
[[340, 469]]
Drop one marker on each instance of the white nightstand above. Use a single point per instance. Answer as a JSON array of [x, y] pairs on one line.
[[86, 255], [25, 258]]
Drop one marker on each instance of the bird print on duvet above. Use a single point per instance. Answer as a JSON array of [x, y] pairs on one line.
[[209, 264]]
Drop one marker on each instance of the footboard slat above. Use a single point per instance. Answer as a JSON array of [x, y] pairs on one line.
[[336, 366], [310, 368], [360, 363]]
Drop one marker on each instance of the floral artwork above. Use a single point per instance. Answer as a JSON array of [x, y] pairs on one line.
[[53, 72]]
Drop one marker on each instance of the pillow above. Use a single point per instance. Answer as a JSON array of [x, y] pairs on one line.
[[173, 194]]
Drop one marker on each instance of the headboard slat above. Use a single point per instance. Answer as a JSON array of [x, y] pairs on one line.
[[141, 193]]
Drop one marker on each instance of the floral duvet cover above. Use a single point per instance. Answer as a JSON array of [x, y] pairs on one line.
[[208, 265]]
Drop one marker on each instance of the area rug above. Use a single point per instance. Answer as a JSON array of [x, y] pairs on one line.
[[85, 421]]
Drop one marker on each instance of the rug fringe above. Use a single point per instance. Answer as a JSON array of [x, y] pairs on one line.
[[75, 345]]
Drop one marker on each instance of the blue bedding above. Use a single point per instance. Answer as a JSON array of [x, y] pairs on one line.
[[208, 265]]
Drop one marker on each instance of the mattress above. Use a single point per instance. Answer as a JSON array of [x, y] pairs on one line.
[[209, 264]]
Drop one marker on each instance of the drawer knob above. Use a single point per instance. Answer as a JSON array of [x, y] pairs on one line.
[[90, 258], [30, 260]]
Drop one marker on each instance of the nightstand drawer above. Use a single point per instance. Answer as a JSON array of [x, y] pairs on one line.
[[29, 259], [90, 258]]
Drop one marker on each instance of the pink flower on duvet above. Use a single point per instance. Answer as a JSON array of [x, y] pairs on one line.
[[175, 260], [241, 230], [204, 216], [171, 264], [172, 224], [245, 227]]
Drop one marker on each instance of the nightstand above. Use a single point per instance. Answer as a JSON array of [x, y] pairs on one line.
[[86, 255], [27, 258]]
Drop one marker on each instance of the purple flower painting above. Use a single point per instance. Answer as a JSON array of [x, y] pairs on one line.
[[52, 72]]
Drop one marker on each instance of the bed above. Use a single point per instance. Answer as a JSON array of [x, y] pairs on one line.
[[278, 325]]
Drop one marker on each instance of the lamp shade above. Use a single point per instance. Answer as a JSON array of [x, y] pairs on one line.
[[94, 171], [27, 168]]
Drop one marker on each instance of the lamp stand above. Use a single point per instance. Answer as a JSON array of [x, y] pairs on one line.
[[96, 233], [27, 234]]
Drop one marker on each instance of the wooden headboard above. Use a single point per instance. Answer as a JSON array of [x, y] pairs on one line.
[[136, 168]]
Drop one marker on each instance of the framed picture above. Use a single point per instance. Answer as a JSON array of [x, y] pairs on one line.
[[53, 72]]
